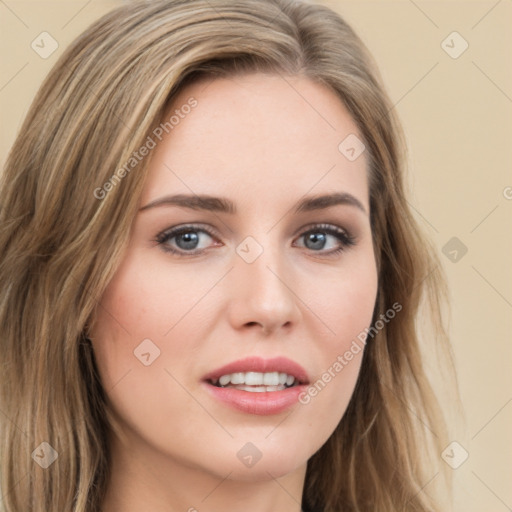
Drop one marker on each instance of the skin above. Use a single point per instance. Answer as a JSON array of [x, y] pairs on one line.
[[264, 145]]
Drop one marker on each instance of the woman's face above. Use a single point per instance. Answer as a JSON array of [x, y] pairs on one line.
[[266, 286]]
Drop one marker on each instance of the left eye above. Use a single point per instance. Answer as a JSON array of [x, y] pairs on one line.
[[185, 241], [317, 239]]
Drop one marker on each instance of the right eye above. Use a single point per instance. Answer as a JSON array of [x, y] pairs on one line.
[[184, 240]]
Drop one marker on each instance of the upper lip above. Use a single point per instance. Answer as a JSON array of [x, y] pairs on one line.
[[259, 364]]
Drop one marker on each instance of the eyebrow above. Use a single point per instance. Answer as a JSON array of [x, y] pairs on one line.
[[224, 205]]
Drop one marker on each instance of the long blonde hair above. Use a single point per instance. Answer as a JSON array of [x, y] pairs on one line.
[[60, 245]]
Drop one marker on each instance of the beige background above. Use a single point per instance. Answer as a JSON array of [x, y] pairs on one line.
[[457, 116]]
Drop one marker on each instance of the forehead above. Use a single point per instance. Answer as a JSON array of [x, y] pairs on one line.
[[257, 137]]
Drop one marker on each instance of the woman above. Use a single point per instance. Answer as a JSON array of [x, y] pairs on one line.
[[210, 276]]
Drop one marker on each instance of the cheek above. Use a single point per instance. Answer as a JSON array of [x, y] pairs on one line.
[[132, 310], [148, 308], [344, 301], [139, 312], [145, 300], [351, 308], [345, 307]]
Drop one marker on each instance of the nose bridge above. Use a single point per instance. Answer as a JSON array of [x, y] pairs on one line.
[[262, 273], [262, 288]]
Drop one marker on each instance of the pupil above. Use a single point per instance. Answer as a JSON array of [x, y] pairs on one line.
[[189, 238], [318, 240]]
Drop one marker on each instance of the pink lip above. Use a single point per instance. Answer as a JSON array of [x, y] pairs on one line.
[[264, 403]]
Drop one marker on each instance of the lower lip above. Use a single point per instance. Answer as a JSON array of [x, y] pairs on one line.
[[262, 403]]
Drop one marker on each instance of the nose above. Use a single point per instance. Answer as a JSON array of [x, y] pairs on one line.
[[262, 298]]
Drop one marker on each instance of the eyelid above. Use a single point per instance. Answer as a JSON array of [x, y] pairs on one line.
[[321, 226], [188, 227]]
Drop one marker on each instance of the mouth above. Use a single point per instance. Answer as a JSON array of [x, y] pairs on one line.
[[256, 382], [256, 385]]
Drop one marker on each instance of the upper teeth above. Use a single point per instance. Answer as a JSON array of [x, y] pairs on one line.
[[257, 379]]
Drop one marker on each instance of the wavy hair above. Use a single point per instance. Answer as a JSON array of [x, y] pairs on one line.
[[60, 245]]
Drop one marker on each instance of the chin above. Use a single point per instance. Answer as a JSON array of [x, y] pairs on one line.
[[263, 470], [263, 460]]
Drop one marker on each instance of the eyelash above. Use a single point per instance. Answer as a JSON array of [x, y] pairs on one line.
[[346, 239]]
